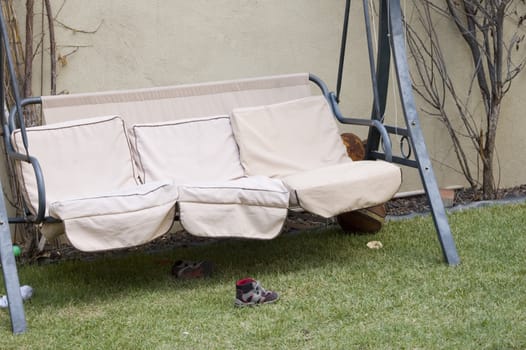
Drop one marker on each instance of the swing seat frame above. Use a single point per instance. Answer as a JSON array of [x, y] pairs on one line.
[[114, 169]]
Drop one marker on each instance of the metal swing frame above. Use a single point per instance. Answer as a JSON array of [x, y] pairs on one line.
[[390, 44]]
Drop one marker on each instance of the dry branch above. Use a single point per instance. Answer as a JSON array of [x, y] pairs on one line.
[[52, 47]]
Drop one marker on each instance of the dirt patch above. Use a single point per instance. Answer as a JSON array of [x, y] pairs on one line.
[[419, 204]]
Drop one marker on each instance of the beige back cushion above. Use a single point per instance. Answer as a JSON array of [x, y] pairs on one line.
[[281, 139], [176, 102], [187, 151], [78, 159]]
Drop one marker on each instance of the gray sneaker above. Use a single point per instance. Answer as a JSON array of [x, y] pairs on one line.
[[249, 292]]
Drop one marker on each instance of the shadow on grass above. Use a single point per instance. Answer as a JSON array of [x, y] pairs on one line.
[[145, 273]]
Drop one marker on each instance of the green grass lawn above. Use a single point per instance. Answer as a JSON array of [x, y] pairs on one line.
[[335, 293]]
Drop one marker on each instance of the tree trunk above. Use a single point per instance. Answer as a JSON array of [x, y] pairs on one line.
[[488, 180]]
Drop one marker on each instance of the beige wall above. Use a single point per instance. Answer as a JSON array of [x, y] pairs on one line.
[[152, 43]]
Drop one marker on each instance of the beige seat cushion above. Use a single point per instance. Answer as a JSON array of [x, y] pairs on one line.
[[91, 185], [339, 188], [118, 219], [78, 159], [187, 151], [250, 207], [282, 139]]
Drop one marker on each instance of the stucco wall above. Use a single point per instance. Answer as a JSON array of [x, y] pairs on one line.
[[128, 44]]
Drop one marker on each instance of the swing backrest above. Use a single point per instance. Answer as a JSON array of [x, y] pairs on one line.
[[146, 118], [170, 103]]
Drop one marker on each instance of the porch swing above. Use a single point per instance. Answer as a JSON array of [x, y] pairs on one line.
[[115, 169]]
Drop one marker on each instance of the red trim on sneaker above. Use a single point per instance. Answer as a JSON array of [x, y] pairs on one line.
[[244, 281]]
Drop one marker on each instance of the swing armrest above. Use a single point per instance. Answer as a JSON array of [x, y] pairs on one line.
[[372, 123], [14, 113], [8, 129], [41, 210]]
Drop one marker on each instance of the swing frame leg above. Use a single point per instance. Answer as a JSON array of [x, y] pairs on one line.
[[10, 273], [417, 138], [391, 41]]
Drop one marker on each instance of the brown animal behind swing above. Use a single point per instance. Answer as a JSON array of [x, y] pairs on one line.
[[367, 220]]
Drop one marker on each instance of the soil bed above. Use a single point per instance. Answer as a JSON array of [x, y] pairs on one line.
[[419, 204]]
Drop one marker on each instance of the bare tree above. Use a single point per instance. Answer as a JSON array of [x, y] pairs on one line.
[[493, 33], [24, 54]]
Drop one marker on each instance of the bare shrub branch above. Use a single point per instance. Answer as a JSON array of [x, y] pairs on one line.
[[492, 46]]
